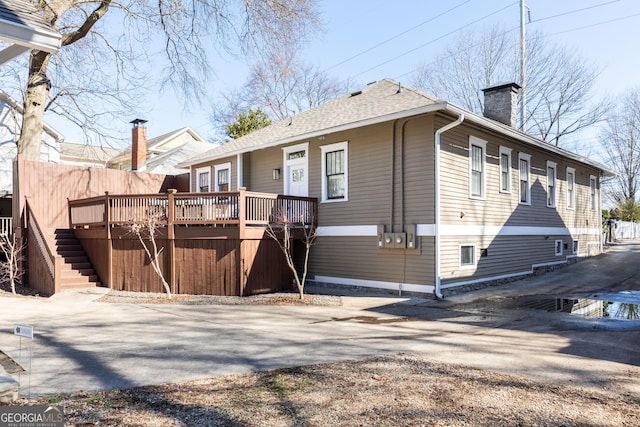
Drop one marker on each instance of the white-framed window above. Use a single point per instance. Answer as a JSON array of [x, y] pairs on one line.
[[559, 245], [524, 178], [576, 246], [593, 193], [467, 256], [505, 170], [552, 181], [203, 179], [477, 167], [571, 188], [335, 172], [222, 177]]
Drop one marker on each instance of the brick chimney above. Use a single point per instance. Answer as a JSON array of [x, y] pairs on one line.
[[501, 103], [138, 145]]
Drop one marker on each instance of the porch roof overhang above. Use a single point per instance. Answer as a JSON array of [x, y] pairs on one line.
[[444, 107], [22, 28]]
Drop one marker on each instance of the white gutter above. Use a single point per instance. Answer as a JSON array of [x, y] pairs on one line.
[[437, 291]]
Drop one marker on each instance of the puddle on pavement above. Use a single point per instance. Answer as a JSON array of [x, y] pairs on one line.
[[624, 305]]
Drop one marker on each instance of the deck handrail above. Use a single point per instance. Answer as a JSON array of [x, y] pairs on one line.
[[239, 208]]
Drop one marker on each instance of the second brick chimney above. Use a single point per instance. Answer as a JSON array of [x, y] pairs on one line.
[[501, 103], [138, 145]]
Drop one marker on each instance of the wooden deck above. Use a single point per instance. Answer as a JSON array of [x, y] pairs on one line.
[[211, 243]]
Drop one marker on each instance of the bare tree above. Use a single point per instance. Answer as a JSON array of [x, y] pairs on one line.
[[280, 85], [620, 139], [282, 229], [11, 266], [106, 52], [559, 83], [146, 230]]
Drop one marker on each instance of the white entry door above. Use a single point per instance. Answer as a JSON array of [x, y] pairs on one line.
[[296, 170]]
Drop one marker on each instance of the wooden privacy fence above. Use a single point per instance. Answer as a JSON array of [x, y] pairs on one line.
[[211, 243]]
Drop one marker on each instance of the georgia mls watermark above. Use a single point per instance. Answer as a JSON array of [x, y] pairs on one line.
[[32, 416]]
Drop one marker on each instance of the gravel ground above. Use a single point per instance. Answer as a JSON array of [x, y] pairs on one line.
[[394, 390]]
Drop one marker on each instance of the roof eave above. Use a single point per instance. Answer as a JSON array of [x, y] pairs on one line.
[[314, 134], [516, 134]]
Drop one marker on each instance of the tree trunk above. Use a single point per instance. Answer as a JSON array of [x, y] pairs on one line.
[[35, 99]]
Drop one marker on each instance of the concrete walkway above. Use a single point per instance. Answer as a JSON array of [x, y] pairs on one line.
[[82, 344]]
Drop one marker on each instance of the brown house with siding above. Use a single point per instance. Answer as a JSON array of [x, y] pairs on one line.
[[416, 194]]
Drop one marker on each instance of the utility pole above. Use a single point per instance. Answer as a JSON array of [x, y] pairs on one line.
[[523, 68]]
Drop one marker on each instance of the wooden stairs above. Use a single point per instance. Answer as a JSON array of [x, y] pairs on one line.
[[77, 271]]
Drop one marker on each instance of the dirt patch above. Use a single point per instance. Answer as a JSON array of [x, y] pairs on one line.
[[280, 298], [394, 390]]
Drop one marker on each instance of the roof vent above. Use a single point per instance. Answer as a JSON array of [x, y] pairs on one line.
[[356, 93]]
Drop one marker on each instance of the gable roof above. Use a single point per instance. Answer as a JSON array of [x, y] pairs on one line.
[[24, 28], [86, 153], [154, 145], [378, 102]]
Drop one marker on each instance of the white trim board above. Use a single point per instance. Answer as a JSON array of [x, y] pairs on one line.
[[428, 230], [394, 286]]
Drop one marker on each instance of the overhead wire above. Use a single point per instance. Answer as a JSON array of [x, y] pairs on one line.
[[438, 38], [397, 35]]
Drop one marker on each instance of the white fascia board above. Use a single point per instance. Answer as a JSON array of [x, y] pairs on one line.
[[320, 132], [31, 37], [528, 139]]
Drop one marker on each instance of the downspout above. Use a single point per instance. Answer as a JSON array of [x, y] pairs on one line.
[[437, 291]]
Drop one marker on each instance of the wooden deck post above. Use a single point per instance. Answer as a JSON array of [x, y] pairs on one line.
[[171, 240], [109, 243]]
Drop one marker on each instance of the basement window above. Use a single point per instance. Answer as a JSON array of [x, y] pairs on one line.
[[467, 256]]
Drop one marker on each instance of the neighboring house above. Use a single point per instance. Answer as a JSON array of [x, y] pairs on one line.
[[416, 194], [159, 154], [86, 155]]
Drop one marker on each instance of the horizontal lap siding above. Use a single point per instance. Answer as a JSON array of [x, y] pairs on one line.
[[370, 180], [506, 255], [504, 208], [359, 258]]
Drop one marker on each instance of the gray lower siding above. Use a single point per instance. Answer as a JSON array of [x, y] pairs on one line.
[[357, 261]]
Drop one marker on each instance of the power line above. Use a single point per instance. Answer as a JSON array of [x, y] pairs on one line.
[[596, 24], [397, 35], [438, 38], [573, 11]]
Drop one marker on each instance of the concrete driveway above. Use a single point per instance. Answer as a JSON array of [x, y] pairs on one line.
[[81, 344]]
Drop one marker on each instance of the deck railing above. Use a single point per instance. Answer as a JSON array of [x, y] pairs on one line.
[[6, 226], [240, 208]]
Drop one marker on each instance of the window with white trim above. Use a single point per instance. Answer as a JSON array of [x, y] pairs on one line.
[[571, 188], [524, 173], [335, 172], [505, 170], [593, 193], [552, 174], [576, 246], [222, 177], [203, 179], [467, 256], [477, 167], [559, 245]]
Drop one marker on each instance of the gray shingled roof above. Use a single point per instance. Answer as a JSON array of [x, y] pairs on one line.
[[377, 102], [24, 28], [378, 99]]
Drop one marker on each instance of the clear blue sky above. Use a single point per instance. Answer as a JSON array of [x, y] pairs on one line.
[[367, 40]]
